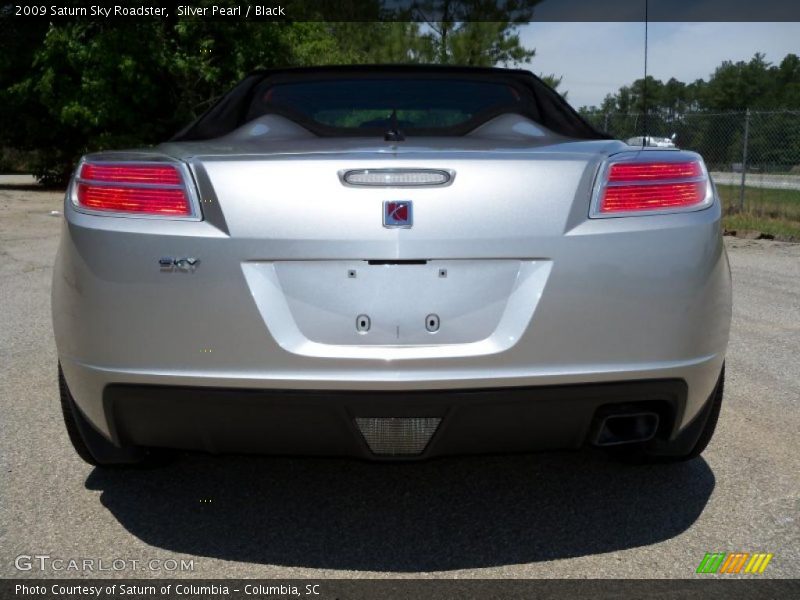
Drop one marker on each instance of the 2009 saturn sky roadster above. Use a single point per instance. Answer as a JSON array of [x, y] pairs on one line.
[[391, 263]]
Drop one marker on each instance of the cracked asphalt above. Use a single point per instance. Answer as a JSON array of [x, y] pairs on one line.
[[546, 515]]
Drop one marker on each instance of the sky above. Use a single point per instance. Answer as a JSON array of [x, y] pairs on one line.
[[596, 59]]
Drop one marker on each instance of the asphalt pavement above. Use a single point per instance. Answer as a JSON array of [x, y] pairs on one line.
[[571, 514]]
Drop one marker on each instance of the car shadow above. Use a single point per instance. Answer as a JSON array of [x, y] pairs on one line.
[[454, 513]]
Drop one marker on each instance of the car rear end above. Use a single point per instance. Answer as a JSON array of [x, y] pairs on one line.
[[356, 297]]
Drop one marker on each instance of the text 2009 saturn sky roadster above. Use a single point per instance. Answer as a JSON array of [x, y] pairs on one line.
[[391, 263]]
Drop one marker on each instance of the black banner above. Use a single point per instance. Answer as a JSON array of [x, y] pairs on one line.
[[710, 588], [414, 10]]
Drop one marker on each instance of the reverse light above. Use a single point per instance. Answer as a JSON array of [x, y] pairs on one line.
[[630, 187], [137, 189]]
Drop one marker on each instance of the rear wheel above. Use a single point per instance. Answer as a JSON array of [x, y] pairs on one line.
[[689, 444], [89, 443]]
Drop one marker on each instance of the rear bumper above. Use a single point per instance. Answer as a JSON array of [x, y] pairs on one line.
[[169, 402], [323, 422]]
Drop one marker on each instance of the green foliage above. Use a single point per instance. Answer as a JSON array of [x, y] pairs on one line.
[[479, 44], [475, 32], [71, 87], [756, 84], [379, 43], [776, 212], [553, 81], [92, 85]]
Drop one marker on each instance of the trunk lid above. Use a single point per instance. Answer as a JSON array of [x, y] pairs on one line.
[[330, 280], [295, 202]]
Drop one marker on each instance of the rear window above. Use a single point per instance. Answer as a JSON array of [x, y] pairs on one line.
[[358, 101], [424, 105]]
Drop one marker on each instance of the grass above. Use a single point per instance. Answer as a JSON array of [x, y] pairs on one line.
[[776, 212]]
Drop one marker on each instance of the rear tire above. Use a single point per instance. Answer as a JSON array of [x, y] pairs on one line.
[[689, 444], [89, 443]]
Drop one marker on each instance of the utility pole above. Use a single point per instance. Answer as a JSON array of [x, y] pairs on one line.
[[744, 158]]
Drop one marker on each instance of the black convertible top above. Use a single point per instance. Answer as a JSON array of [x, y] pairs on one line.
[[415, 89]]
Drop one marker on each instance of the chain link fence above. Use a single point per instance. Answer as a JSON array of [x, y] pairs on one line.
[[753, 156]]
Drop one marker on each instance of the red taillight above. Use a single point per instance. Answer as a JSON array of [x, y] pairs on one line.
[[136, 200], [654, 171], [147, 189], [631, 187], [156, 174], [652, 197]]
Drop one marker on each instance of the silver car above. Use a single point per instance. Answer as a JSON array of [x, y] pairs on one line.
[[391, 263]]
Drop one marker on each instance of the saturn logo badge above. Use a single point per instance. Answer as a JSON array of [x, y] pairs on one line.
[[398, 214]]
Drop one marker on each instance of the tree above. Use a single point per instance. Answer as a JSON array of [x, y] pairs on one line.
[[741, 85], [788, 81], [475, 32], [554, 82], [646, 95], [754, 84], [674, 98], [396, 42], [89, 83]]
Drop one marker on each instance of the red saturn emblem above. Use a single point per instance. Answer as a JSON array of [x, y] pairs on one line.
[[398, 213]]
